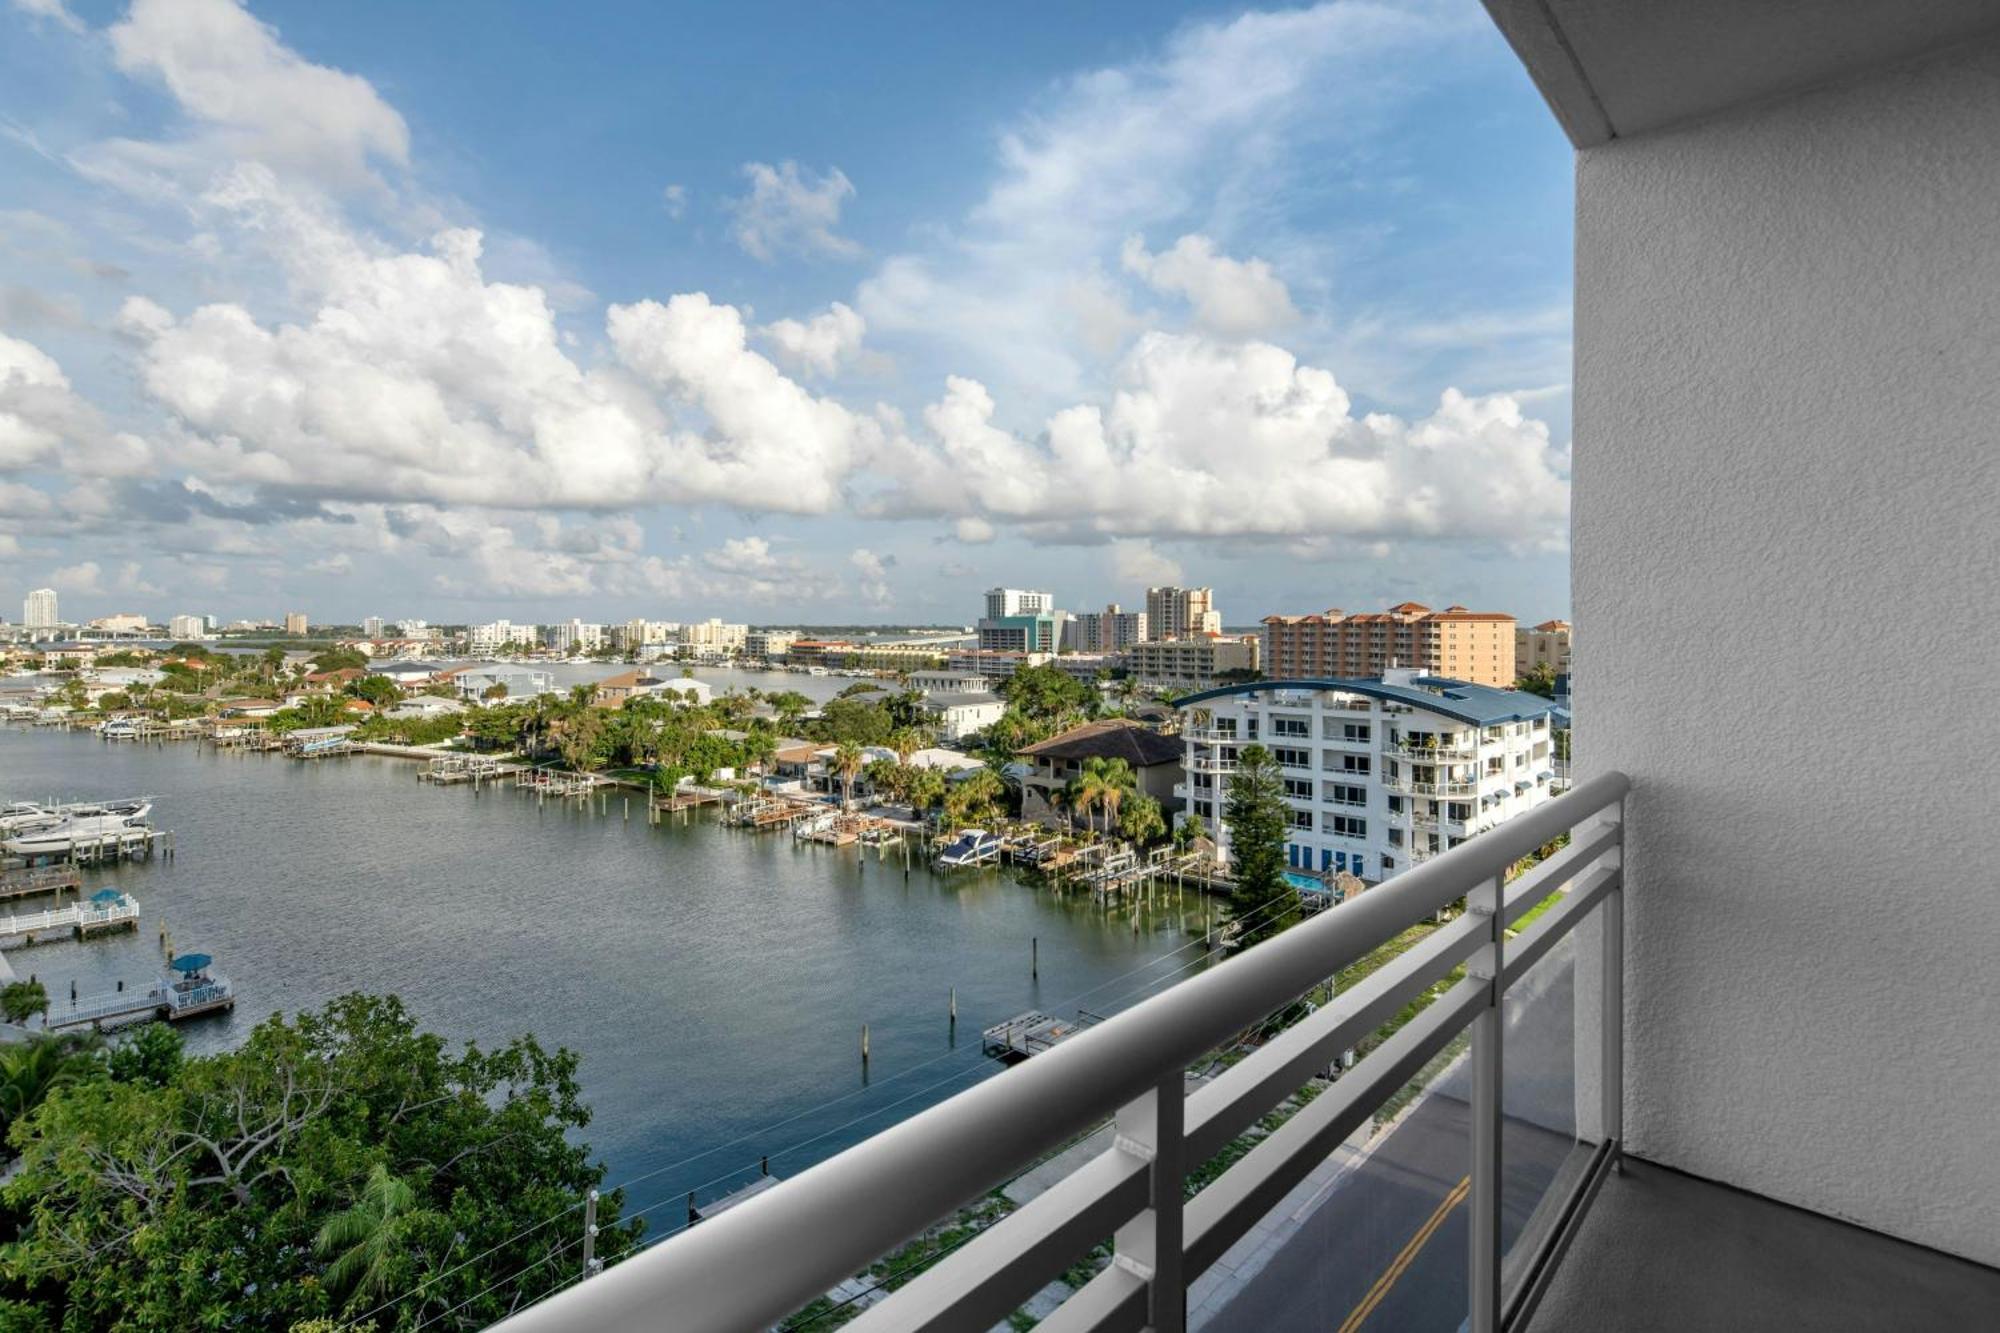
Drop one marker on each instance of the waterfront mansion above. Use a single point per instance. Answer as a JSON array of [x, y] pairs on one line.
[[1379, 774]]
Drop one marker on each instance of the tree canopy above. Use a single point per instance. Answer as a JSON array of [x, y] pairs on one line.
[[1255, 813], [335, 1162]]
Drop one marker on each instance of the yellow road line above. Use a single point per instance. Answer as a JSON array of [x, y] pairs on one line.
[[1406, 1257]]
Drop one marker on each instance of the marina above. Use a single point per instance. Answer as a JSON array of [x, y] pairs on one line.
[[311, 880]]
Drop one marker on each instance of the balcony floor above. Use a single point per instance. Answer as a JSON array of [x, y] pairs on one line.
[[1661, 1250]]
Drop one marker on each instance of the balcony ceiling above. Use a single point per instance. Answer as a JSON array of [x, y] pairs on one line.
[[1615, 68]]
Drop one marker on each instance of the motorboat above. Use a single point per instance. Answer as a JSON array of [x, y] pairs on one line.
[[79, 825], [970, 848], [119, 729]]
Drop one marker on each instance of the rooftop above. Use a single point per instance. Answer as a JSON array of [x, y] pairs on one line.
[[1112, 738], [1477, 705]]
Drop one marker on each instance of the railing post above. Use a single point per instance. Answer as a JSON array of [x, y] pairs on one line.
[[590, 1264], [1149, 1246], [1611, 1085], [1483, 1199]]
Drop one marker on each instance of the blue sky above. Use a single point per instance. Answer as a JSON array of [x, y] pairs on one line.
[[776, 312]]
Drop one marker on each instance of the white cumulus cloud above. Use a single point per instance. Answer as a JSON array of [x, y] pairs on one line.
[[1235, 298], [820, 345], [788, 211]]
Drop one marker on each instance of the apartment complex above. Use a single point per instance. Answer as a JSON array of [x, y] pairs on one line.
[[486, 640], [1181, 613], [1378, 774], [1546, 644], [769, 644], [1194, 663], [38, 609], [187, 627], [1474, 646], [713, 637], [1108, 631], [296, 622], [1004, 602]]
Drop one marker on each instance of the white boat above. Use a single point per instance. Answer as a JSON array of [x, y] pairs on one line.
[[119, 729], [23, 816], [67, 827], [970, 848]]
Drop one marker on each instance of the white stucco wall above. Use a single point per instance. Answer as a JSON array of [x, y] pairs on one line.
[[1787, 590]]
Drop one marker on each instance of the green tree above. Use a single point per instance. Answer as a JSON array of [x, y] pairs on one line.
[[1048, 695], [377, 690], [848, 759], [339, 659], [200, 1204], [1257, 817], [790, 706], [1101, 784], [975, 799], [366, 1240], [1142, 821], [22, 1000], [30, 1071], [1541, 679], [152, 1055]]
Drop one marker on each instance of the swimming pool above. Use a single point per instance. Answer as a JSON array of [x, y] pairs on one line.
[[1305, 883]]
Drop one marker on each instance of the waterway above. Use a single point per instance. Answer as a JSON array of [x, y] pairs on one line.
[[714, 981]]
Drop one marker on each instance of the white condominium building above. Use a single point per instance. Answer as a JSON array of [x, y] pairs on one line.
[[1003, 602], [576, 637], [1379, 774], [485, 640], [38, 609], [714, 635], [187, 627]]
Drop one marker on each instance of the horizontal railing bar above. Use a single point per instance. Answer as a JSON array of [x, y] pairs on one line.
[[1547, 876], [1524, 949], [1225, 1212], [756, 1263], [1232, 1102], [987, 1279], [1227, 1106], [1112, 1302]]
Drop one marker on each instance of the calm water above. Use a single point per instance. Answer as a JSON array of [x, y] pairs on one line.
[[715, 981]]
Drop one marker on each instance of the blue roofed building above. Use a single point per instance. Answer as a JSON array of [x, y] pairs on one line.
[[1379, 774]]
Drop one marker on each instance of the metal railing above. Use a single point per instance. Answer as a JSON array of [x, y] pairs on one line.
[[1405, 785], [1432, 754], [750, 1267]]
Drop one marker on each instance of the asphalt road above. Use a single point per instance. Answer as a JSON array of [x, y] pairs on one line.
[[1386, 1250]]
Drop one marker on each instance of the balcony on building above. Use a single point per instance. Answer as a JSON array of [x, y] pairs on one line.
[[1742, 1073]]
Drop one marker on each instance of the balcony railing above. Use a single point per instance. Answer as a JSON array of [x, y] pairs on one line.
[[1432, 754], [1409, 786], [1212, 736], [753, 1265], [1212, 763]]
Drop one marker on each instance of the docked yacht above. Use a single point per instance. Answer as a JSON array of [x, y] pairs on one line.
[[58, 831], [971, 847], [119, 729]]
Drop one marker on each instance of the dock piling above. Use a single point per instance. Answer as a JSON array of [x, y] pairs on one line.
[[864, 1045], [1035, 958]]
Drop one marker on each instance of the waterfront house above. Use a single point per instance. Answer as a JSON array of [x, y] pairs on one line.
[[1155, 761], [613, 691], [424, 707], [958, 715], [520, 682], [409, 675], [248, 707], [338, 679]]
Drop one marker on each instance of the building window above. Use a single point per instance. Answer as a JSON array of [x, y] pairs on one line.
[[1290, 726], [1354, 732], [1458, 811], [1345, 826], [1302, 819], [1298, 789], [1204, 809], [1288, 757], [1341, 793]]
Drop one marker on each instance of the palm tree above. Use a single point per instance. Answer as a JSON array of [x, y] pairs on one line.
[[905, 742], [29, 1072], [368, 1237], [1142, 821], [1101, 783], [847, 761]]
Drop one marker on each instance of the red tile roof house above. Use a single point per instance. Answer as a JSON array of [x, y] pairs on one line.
[[1155, 759]]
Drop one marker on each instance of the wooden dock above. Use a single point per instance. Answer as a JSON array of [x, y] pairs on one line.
[[690, 797], [768, 812], [558, 783], [1030, 1034], [449, 769], [25, 881]]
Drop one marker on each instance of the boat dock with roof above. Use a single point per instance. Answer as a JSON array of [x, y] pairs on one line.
[[188, 988]]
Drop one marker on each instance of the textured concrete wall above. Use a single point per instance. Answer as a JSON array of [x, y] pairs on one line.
[[1787, 594]]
